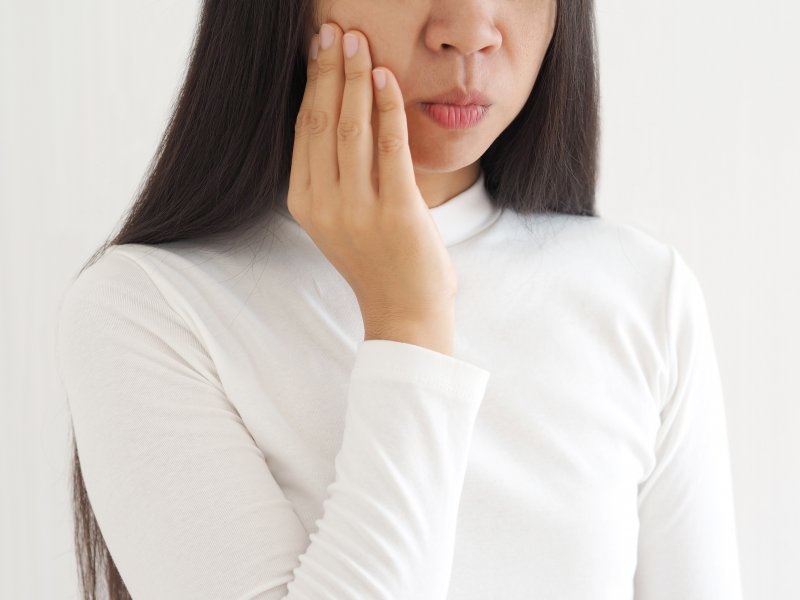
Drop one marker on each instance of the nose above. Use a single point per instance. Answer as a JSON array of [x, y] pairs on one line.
[[467, 27]]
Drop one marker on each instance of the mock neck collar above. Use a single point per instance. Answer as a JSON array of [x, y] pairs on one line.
[[465, 214]]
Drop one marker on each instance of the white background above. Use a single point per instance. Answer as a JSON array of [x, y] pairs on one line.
[[700, 148]]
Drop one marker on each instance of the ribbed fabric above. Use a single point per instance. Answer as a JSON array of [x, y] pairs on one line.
[[239, 439]]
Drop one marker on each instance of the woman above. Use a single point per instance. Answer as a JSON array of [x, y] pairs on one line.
[[356, 341]]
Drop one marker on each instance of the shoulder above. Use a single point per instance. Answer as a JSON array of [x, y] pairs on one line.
[[640, 262], [624, 267], [131, 276], [609, 252], [116, 268], [650, 264], [114, 309], [113, 294], [620, 245], [119, 278], [113, 282]]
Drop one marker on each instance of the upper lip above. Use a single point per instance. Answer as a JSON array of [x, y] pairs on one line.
[[459, 96]]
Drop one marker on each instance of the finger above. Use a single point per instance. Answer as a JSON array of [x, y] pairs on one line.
[[355, 143], [396, 181], [299, 177], [325, 115]]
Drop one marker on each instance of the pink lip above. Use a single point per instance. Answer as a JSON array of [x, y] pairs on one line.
[[454, 116], [460, 96]]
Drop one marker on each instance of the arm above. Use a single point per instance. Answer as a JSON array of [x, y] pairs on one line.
[[185, 499], [687, 537]]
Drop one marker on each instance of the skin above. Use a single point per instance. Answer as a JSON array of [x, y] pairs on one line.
[[496, 46], [369, 218]]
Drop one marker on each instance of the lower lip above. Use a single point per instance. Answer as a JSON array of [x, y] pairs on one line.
[[453, 116]]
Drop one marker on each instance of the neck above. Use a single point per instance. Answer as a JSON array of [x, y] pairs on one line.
[[437, 188]]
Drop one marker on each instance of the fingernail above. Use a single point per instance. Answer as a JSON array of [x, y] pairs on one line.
[[314, 49], [326, 36], [350, 45], [379, 76]]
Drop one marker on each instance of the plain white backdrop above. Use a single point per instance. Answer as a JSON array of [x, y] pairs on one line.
[[700, 148]]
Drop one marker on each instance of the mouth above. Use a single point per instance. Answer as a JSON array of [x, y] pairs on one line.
[[461, 97], [454, 116]]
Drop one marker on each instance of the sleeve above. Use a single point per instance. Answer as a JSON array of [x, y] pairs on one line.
[[184, 498], [687, 538]]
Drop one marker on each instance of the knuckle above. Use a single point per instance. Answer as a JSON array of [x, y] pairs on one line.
[[355, 75], [349, 129], [389, 143], [317, 121], [324, 68], [303, 121], [387, 105]]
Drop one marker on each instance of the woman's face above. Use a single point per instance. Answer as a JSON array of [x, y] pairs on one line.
[[493, 46]]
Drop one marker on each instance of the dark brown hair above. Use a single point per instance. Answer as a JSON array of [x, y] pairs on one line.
[[226, 154]]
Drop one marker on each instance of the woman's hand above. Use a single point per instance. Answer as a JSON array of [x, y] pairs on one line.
[[375, 228]]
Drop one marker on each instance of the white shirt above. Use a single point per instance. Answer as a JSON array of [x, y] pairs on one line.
[[240, 440]]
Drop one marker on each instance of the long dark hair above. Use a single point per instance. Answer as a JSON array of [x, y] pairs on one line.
[[226, 154]]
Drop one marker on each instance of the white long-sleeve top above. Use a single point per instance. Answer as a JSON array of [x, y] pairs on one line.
[[240, 440]]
